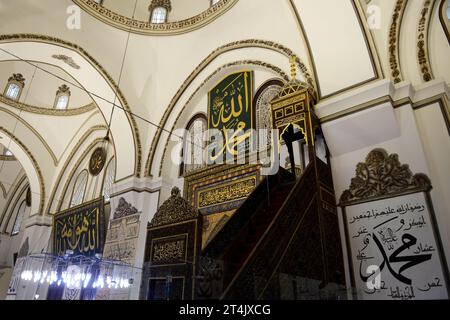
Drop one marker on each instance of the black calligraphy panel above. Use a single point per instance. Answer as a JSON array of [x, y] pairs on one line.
[[80, 229]]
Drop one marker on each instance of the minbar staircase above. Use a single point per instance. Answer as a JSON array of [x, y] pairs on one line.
[[283, 227]]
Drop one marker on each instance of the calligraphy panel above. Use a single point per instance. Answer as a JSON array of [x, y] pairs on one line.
[[394, 250], [80, 229], [230, 112]]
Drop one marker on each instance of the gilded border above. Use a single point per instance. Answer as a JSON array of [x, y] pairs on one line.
[[155, 29], [4, 193], [394, 40], [72, 172], [47, 111], [423, 30]]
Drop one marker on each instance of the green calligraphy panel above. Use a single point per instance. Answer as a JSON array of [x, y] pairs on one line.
[[230, 112], [80, 229]]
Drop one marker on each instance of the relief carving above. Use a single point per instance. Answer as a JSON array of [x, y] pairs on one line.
[[383, 175], [175, 209], [124, 209]]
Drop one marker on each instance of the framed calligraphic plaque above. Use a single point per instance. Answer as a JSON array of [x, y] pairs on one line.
[[80, 229], [230, 116], [393, 244]]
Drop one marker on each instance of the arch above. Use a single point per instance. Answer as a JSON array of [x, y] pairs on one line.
[[257, 103], [218, 71], [32, 170], [72, 154], [423, 36], [92, 76], [19, 218], [251, 43], [34, 132], [15, 191], [444, 17], [74, 169]]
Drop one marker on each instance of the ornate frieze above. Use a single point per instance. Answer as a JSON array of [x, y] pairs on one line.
[[144, 27], [382, 175], [225, 193], [50, 111], [394, 34], [422, 40]]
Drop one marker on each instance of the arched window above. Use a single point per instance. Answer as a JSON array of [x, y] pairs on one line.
[[195, 144], [62, 97], [159, 10], [19, 218], [108, 180], [79, 189], [7, 153], [263, 112], [14, 88], [213, 2], [159, 15]]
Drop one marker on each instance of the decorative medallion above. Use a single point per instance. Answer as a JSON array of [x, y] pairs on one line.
[[97, 162], [173, 210], [383, 175]]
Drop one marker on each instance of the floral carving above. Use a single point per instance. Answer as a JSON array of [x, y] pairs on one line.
[[18, 78], [173, 210], [67, 60], [383, 175], [124, 209]]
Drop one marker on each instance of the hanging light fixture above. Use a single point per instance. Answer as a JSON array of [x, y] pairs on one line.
[[77, 272]]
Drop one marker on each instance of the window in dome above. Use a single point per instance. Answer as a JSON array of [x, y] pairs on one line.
[[159, 15], [14, 87], [62, 98]]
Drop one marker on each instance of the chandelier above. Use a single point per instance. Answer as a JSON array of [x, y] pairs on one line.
[[77, 271]]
